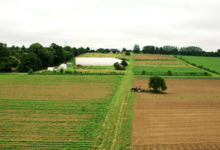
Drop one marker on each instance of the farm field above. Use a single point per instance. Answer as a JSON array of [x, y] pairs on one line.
[[53, 112], [207, 62], [187, 116], [159, 62], [162, 70], [151, 56], [117, 55]]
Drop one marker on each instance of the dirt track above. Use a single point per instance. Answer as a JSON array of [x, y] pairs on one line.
[[187, 117], [147, 56]]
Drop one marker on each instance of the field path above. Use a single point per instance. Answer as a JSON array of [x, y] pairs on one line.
[[108, 137]]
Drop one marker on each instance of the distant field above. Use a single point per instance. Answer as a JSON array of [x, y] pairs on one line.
[[150, 56], [158, 62], [118, 55], [53, 112], [186, 117], [207, 62], [180, 71]]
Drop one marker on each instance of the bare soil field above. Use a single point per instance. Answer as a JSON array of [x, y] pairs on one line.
[[158, 62], [147, 56], [187, 116]]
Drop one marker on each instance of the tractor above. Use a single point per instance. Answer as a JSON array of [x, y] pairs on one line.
[[136, 89]]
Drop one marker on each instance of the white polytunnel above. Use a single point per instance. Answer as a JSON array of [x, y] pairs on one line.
[[62, 66], [96, 61]]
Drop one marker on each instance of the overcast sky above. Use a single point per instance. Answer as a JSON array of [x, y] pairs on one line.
[[111, 23]]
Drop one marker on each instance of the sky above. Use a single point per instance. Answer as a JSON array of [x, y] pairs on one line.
[[111, 23]]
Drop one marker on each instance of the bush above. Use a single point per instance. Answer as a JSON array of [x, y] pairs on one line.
[[157, 82], [200, 66], [118, 66], [124, 63], [30, 71], [61, 70], [205, 73], [169, 73], [127, 53], [143, 72]]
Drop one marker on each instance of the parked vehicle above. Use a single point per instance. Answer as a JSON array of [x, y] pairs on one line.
[[136, 89]]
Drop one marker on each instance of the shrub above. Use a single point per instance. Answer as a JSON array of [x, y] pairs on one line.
[[157, 82], [30, 71], [205, 73], [169, 73], [124, 63], [193, 64], [143, 72], [127, 53], [118, 66], [200, 66], [61, 70]]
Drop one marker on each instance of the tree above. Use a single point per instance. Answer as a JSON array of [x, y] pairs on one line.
[[75, 51], [24, 64], [8, 62], [136, 48], [12, 48], [51, 56], [124, 49], [41, 53], [114, 51], [81, 50], [35, 62], [13, 53], [4, 52], [23, 48], [59, 53], [157, 83], [17, 48], [87, 49], [148, 49]]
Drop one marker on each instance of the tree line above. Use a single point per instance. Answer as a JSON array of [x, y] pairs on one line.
[[173, 50], [36, 56]]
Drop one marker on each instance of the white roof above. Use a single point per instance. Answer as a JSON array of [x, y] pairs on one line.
[[62, 66]]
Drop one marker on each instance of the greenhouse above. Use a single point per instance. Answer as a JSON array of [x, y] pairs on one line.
[[92, 61], [62, 66]]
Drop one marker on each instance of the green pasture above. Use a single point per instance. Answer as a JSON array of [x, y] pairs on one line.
[[208, 62], [53, 124]]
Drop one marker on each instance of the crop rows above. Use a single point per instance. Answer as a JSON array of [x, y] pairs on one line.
[[60, 122]]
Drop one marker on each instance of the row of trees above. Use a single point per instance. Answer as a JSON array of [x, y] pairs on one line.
[[173, 50], [6, 61], [36, 56]]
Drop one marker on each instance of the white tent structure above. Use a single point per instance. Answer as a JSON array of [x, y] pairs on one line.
[[62, 66], [96, 61], [51, 69]]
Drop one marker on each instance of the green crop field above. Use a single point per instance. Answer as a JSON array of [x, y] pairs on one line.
[[208, 62], [178, 71], [53, 112]]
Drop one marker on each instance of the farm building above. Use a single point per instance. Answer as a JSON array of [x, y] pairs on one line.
[[51, 69], [64, 66], [92, 61]]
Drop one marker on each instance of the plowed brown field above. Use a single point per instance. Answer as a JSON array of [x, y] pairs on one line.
[[147, 56], [158, 62], [186, 117]]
